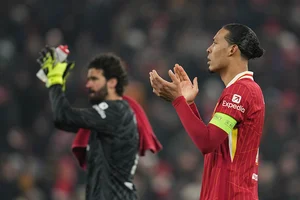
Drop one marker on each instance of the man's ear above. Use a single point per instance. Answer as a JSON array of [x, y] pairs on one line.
[[233, 49], [112, 83]]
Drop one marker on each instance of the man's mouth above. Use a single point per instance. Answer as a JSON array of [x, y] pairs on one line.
[[91, 93], [208, 60]]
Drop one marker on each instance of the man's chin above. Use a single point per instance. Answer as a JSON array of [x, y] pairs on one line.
[[211, 71]]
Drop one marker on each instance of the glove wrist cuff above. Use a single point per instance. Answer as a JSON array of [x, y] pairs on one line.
[[53, 81]]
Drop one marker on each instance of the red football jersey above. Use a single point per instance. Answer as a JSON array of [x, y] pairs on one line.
[[231, 170]]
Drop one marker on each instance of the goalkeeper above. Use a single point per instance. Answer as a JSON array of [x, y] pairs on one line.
[[112, 151]]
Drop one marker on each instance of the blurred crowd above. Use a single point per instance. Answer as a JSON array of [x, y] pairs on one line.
[[35, 159]]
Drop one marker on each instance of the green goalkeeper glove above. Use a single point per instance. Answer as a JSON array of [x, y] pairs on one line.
[[56, 72]]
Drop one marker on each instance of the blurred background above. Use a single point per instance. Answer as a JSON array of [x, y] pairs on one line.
[[35, 159]]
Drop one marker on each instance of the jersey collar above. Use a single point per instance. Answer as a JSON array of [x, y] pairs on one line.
[[242, 75]]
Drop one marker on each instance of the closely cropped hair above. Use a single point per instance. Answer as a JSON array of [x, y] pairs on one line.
[[112, 67], [246, 39]]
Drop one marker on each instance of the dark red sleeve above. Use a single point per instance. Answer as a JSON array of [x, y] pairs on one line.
[[207, 138], [195, 109]]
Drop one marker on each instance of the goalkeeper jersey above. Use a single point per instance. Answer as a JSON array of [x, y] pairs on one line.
[[112, 152]]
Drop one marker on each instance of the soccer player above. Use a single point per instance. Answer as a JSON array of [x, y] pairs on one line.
[[230, 141], [112, 151]]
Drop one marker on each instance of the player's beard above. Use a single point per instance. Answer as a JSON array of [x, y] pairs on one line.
[[99, 95]]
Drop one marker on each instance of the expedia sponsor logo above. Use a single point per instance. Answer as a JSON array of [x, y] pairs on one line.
[[233, 106], [236, 98]]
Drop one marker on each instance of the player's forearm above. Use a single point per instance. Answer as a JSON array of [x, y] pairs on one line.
[[207, 138], [195, 109], [61, 109]]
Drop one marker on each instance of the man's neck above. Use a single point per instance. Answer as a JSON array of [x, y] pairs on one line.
[[113, 97], [231, 71]]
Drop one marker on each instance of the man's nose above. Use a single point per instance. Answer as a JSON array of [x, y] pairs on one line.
[[88, 84], [208, 50]]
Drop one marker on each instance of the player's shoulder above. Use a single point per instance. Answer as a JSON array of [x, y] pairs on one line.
[[244, 88], [245, 84], [118, 105]]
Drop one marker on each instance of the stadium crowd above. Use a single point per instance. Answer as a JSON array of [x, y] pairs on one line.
[[36, 161]]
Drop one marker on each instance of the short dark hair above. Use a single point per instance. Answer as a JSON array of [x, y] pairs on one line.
[[113, 67], [245, 38]]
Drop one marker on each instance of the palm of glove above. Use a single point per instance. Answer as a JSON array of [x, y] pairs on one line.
[[56, 72]]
